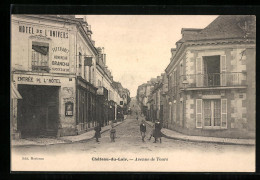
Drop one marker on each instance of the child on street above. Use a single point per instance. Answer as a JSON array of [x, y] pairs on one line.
[[112, 133]]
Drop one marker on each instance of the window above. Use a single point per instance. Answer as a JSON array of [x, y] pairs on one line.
[[40, 56], [211, 113], [99, 83], [80, 64]]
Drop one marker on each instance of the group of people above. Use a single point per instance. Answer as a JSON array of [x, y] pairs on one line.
[[97, 130], [155, 132]]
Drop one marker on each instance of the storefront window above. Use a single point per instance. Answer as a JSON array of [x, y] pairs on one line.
[[40, 56]]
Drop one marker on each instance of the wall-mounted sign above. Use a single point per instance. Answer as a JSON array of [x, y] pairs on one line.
[[60, 60], [68, 109], [43, 32], [87, 61], [43, 80]]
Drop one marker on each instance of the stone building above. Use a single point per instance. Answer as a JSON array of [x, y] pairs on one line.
[[55, 73], [211, 79]]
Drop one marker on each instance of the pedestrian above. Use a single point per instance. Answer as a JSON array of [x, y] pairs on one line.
[[151, 133], [157, 132], [112, 133], [143, 130], [137, 118], [97, 132]]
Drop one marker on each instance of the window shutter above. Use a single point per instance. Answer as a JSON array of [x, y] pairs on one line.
[[198, 113], [224, 113], [199, 72], [223, 70]]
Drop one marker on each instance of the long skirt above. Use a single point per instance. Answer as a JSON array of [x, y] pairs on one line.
[[97, 135], [157, 134]]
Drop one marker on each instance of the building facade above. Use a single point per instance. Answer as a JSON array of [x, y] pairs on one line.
[[55, 77], [211, 79]]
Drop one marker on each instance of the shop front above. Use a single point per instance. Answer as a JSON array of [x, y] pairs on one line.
[[86, 106], [43, 109]]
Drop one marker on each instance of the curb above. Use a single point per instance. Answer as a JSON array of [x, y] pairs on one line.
[[201, 141]]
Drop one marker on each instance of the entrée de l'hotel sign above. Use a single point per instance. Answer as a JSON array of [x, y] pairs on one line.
[[43, 32]]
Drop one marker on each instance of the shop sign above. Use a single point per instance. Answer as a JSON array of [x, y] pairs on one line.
[[68, 109], [88, 61], [60, 60], [43, 32], [42, 80]]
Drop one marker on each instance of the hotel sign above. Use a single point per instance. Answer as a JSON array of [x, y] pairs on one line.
[[39, 80], [43, 32]]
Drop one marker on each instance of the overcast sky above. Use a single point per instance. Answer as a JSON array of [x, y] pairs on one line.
[[138, 46]]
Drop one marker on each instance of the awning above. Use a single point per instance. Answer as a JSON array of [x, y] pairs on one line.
[[14, 92]]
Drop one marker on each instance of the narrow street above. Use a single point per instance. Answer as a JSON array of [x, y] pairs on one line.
[[129, 144], [129, 140]]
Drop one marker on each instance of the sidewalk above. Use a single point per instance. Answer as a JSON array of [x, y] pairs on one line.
[[65, 139], [88, 135], [170, 134]]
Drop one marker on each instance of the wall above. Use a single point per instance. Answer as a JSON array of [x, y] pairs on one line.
[[84, 49], [61, 40], [241, 103], [21, 44]]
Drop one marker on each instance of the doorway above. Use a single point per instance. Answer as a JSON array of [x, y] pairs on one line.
[[38, 111]]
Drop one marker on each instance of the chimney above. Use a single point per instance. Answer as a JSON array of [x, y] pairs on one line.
[[105, 61]]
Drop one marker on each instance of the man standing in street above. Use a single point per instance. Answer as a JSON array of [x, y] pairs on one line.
[[143, 130], [97, 132]]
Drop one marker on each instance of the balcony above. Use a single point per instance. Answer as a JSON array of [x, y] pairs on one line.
[[229, 79]]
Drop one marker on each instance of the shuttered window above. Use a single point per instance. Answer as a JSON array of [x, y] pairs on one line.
[[40, 56], [198, 113], [223, 70], [223, 113], [199, 75]]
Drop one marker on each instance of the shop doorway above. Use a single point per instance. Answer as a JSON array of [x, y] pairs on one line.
[[38, 111]]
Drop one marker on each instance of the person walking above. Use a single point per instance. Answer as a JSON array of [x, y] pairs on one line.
[[112, 133], [143, 130], [157, 132], [151, 133], [97, 132]]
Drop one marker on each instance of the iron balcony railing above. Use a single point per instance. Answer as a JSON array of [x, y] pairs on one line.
[[213, 80]]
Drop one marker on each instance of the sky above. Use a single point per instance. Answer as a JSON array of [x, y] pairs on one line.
[[138, 47]]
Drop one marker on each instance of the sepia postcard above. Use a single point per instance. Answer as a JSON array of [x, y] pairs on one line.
[[133, 93]]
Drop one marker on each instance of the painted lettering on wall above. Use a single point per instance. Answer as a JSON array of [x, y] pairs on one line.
[[60, 61], [68, 90], [62, 49], [38, 80], [43, 32]]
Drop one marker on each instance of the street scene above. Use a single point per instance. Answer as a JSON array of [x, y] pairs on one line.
[[132, 99]]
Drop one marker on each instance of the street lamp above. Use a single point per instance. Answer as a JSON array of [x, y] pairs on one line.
[[185, 83]]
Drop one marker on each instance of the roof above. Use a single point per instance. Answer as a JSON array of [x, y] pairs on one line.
[[223, 27]]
